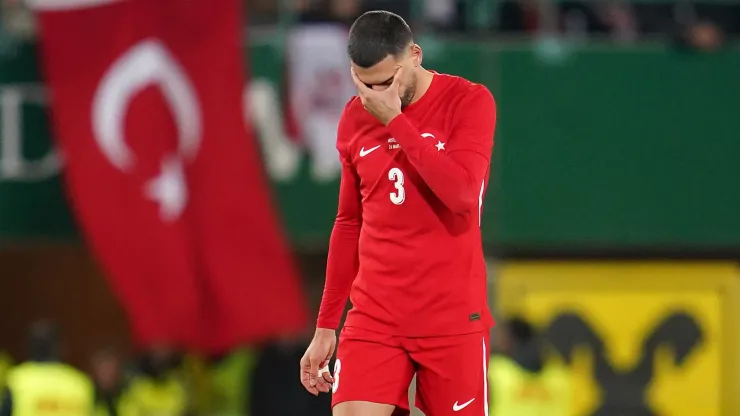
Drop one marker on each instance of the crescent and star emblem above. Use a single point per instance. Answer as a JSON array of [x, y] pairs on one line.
[[145, 64]]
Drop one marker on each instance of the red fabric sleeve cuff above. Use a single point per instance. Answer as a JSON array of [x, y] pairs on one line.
[[405, 133], [327, 324]]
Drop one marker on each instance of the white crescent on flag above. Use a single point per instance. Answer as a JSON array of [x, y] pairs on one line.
[[149, 62]]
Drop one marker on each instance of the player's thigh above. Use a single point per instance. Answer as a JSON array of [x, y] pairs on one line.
[[452, 375], [362, 408], [370, 367]]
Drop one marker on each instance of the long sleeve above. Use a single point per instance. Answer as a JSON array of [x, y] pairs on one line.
[[454, 167], [343, 260]]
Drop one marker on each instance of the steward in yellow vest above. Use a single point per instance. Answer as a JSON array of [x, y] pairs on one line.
[[521, 382], [6, 363], [154, 388], [108, 375], [146, 396], [45, 386], [157, 388]]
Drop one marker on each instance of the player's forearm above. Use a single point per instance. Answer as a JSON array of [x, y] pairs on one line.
[[454, 179], [341, 269]]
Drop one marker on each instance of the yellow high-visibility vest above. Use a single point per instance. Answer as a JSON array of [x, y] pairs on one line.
[[6, 363], [517, 392], [50, 389], [145, 396]]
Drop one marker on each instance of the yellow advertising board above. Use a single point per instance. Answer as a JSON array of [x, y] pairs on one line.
[[640, 338]]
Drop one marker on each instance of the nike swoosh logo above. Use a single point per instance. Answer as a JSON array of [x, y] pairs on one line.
[[458, 407], [364, 152]]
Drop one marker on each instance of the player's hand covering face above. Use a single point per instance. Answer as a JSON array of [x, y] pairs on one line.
[[384, 105]]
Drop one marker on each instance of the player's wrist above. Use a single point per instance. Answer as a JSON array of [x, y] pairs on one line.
[[400, 123], [392, 117], [324, 332]]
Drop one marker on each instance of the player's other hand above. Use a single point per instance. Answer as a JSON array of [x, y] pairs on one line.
[[314, 377], [385, 104]]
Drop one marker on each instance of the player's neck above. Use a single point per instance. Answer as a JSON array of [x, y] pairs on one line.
[[423, 82]]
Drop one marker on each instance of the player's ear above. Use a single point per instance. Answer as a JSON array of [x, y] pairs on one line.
[[416, 54]]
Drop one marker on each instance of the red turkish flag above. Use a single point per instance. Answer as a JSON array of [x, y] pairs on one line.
[[164, 179]]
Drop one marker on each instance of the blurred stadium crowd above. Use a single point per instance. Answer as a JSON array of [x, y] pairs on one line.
[[703, 22], [619, 20]]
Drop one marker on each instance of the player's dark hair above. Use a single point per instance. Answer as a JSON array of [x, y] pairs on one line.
[[375, 35]]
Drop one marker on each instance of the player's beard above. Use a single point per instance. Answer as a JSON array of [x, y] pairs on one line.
[[408, 94]]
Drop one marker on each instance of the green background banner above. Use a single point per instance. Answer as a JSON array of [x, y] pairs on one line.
[[32, 201], [596, 148]]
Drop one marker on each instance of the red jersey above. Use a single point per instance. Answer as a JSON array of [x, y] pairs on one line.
[[407, 235]]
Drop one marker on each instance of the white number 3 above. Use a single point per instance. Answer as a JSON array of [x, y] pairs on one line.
[[396, 176], [337, 369]]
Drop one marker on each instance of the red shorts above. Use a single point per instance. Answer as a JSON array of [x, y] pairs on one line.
[[451, 372]]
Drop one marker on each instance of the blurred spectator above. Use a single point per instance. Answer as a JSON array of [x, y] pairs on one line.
[[17, 19], [580, 19], [673, 17], [440, 14], [701, 28], [272, 396], [702, 36], [399, 7], [522, 383], [156, 388], [147, 396], [574, 18], [231, 378], [519, 16], [262, 11], [6, 363], [620, 20], [107, 375], [695, 24], [220, 385], [45, 385], [327, 11]]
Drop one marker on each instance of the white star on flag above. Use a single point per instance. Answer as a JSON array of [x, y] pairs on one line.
[[169, 189], [440, 146]]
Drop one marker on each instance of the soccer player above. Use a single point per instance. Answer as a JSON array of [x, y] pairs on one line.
[[415, 147]]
